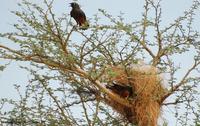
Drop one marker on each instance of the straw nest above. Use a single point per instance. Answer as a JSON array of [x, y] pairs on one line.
[[148, 91]]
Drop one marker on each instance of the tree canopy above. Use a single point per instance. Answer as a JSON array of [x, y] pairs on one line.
[[68, 65]]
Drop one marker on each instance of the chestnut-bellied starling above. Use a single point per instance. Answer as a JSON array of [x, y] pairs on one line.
[[79, 16]]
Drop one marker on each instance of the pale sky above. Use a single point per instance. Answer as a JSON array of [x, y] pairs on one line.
[[132, 10]]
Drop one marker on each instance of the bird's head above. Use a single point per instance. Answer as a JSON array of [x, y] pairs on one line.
[[74, 5]]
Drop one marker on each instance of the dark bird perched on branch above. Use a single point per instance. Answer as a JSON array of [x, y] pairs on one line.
[[122, 90], [79, 16]]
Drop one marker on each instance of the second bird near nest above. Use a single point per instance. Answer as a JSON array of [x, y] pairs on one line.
[[79, 16], [120, 89]]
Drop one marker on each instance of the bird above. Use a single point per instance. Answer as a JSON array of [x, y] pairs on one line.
[[79, 16], [124, 91]]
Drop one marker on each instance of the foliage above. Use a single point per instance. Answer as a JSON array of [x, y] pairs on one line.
[[66, 71]]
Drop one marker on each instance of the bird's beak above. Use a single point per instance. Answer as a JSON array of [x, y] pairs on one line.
[[70, 4]]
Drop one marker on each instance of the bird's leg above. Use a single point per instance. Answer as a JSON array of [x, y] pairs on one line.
[[75, 27]]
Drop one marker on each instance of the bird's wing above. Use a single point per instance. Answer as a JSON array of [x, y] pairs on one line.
[[79, 16], [82, 14]]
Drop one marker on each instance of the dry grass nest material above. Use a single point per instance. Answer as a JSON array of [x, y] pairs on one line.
[[146, 83]]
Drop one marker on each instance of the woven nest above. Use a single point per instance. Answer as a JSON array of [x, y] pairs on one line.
[[148, 91]]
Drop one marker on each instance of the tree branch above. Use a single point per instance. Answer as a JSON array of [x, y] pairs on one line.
[[182, 82]]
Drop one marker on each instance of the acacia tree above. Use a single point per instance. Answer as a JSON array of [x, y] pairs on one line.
[[66, 88]]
